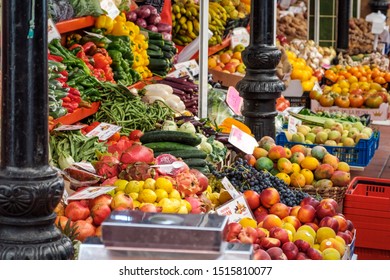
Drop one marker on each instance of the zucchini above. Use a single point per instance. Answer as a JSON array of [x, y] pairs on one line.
[[168, 146], [159, 43], [169, 48], [154, 47], [171, 136], [195, 162], [185, 154], [205, 170], [155, 54], [168, 55]]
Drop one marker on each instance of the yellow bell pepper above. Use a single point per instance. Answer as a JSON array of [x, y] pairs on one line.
[[104, 22], [121, 18], [120, 29]]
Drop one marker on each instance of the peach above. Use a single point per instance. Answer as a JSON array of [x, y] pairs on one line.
[[261, 234], [324, 233], [310, 200], [330, 200], [272, 221], [302, 245], [350, 226], [313, 225], [234, 229], [260, 217], [280, 209], [325, 209], [252, 198], [304, 235], [347, 238], [279, 233], [331, 222], [269, 242], [276, 152], [276, 253], [269, 197], [306, 214], [290, 250], [331, 254], [342, 222], [248, 235], [294, 210], [292, 220], [260, 254], [302, 256], [314, 254]]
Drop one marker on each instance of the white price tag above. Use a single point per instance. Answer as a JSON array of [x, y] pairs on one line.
[[230, 188], [90, 193], [70, 127], [292, 124], [104, 131], [52, 32], [191, 66], [235, 209], [87, 166], [242, 140], [317, 87], [110, 7]]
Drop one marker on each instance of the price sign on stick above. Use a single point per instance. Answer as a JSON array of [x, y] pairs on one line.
[[242, 140], [234, 100]]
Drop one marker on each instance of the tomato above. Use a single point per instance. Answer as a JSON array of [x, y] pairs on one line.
[[326, 100], [135, 135], [342, 101], [374, 101], [356, 100], [315, 94], [384, 95]]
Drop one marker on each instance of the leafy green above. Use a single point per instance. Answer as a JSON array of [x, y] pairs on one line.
[[218, 110], [86, 8], [219, 151]]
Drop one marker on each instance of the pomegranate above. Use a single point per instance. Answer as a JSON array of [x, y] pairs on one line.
[[84, 230], [99, 213], [197, 206], [109, 181], [77, 210], [101, 199], [203, 180], [107, 165], [148, 207], [187, 183], [137, 153], [61, 221], [121, 200]]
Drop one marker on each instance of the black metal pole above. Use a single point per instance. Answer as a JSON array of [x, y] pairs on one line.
[[261, 87], [29, 188], [343, 25]]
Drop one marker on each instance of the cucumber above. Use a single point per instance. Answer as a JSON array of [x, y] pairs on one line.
[[158, 64], [154, 47], [191, 162], [171, 136], [205, 170], [155, 54], [159, 43], [185, 154], [168, 146], [169, 48]]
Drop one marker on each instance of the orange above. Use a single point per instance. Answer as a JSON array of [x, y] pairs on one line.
[[225, 58], [387, 77], [352, 79], [212, 62]]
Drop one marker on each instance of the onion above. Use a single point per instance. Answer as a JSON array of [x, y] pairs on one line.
[[154, 19], [152, 28], [167, 36], [131, 16], [141, 22], [152, 9], [143, 11], [164, 27]]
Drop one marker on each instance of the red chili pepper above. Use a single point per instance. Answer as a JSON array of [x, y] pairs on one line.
[[89, 47], [65, 100], [55, 58], [73, 91], [75, 98], [64, 73], [62, 80], [100, 61], [74, 105]]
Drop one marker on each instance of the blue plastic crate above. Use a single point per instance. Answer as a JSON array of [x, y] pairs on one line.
[[359, 155]]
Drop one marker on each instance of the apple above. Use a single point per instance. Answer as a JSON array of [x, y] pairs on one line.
[[248, 235], [302, 256], [342, 222], [294, 210], [260, 254], [350, 226], [346, 236], [302, 245], [292, 220], [290, 250], [252, 198], [279, 233], [325, 209], [276, 253], [260, 211], [310, 200], [280, 209], [313, 225], [269, 197], [331, 222], [306, 213]]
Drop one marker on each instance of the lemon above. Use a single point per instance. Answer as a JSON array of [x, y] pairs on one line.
[[136, 204], [150, 184], [161, 194], [296, 167], [164, 183], [169, 205], [147, 195], [120, 185], [134, 186], [175, 194], [186, 204], [182, 210], [248, 222], [134, 195]]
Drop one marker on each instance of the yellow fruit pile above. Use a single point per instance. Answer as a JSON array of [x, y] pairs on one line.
[[301, 71]]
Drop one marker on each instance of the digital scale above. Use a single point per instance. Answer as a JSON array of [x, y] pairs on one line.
[[141, 235]]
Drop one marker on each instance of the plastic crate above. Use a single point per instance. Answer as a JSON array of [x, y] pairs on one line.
[[367, 205], [371, 254], [299, 101], [359, 155]]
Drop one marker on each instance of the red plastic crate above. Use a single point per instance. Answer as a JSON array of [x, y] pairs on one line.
[[371, 254], [367, 205]]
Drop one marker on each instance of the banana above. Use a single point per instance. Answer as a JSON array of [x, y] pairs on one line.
[[190, 26], [175, 9], [177, 28], [178, 15], [192, 35], [178, 42], [182, 20], [188, 14], [183, 11], [196, 25]]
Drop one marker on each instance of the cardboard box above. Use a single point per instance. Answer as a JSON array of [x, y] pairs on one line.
[[225, 79], [379, 114]]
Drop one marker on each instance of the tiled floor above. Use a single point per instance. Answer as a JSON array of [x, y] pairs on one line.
[[379, 167]]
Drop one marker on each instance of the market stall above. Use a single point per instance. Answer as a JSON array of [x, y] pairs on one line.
[[127, 136]]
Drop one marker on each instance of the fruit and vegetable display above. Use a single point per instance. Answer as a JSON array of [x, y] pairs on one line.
[[360, 37], [311, 230], [292, 21], [228, 60]]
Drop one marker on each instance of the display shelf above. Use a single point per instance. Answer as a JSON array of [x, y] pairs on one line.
[[212, 50], [75, 24], [77, 115]]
